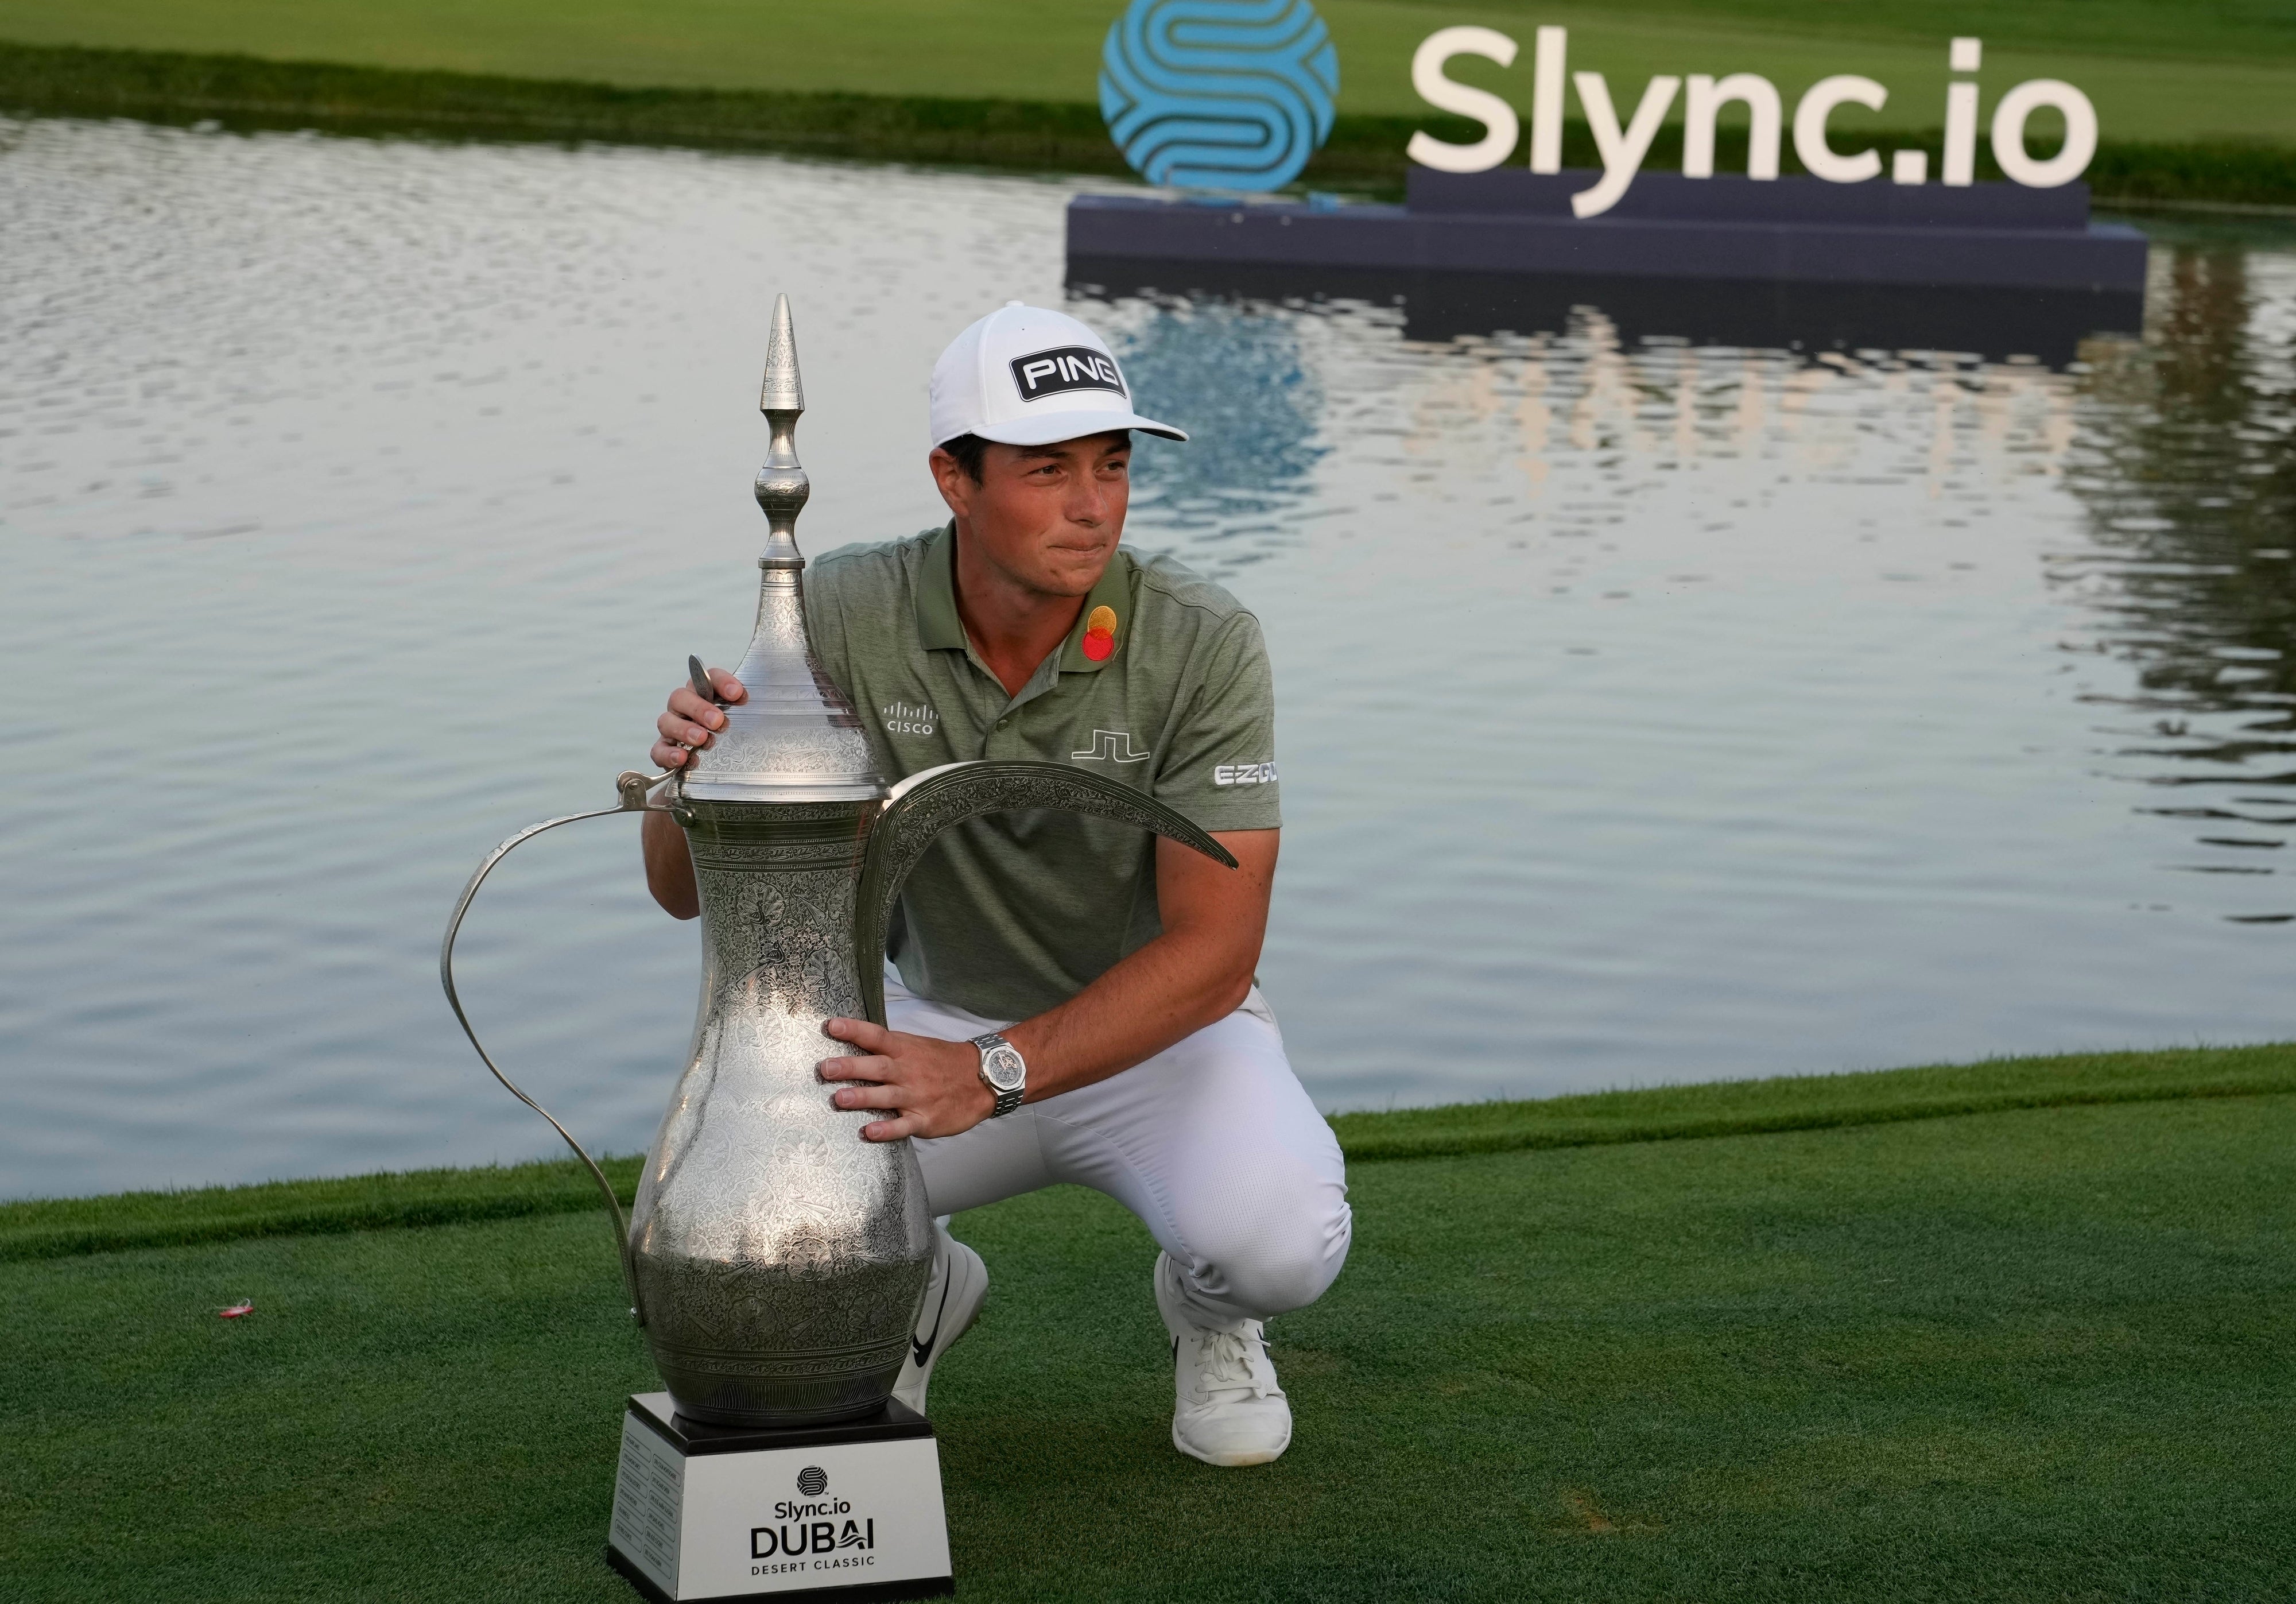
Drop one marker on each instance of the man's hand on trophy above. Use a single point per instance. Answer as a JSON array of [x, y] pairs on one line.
[[934, 1086], [687, 722]]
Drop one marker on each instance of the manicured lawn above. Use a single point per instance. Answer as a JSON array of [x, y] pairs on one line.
[[2043, 1352], [2158, 69]]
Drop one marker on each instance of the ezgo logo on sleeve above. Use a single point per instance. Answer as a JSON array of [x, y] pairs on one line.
[[1244, 774], [1064, 368]]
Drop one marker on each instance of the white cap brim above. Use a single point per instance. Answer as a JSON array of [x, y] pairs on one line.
[[1055, 426], [1072, 387]]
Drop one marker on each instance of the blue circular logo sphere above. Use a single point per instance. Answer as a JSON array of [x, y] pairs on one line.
[[1219, 93]]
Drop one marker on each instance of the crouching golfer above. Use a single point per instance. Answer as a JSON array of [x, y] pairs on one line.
[[1075, 1000]]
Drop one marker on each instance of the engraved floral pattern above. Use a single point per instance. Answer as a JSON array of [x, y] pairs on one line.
[[781, 1258]]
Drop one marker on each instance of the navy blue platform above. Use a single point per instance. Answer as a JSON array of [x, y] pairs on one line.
[[1994, 269]]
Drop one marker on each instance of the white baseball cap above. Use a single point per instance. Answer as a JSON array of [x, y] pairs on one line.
[[1024, 376]]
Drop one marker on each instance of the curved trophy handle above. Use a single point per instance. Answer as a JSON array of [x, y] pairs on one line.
[[923, 805], [631, 787]]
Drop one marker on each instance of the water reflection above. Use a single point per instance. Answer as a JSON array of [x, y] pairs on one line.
[[1925, 420], [1649, 710], [1254, 412], [2187, 465]]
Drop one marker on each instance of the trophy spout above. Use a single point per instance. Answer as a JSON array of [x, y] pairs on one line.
[[923, 805]]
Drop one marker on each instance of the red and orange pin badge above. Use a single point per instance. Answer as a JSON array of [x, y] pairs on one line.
[[1100, 633]]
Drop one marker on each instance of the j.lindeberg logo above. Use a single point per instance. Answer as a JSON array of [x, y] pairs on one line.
[[1110, 746], [1064, 368]]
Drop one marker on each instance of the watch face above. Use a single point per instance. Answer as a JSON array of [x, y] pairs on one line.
[[1004, 1069]]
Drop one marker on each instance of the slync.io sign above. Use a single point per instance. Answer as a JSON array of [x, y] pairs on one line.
[[1236, 95], [1623, 147], [1230, 95], [1871, 245]]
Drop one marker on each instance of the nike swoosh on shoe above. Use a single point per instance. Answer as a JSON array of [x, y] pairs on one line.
[[923, 1350]]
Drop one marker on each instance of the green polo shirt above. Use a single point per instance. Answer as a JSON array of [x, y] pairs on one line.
[[1163, 684]]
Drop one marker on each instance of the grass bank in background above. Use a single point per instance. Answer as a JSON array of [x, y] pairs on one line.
[[2158, 70], [2039, 1353], [245, 91], [1365, 153], [64, 1228], [1820, 1102]]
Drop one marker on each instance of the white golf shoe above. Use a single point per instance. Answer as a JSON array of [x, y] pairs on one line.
[[1227, 1409], [953, 1300]]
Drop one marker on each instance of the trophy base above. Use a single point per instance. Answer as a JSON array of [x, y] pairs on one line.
[[852, 1509]]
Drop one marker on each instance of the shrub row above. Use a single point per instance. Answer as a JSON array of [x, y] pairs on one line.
[[1363, 154]]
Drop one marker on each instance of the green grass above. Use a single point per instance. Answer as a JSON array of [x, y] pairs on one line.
[[64, 1226], [1364, 155], [2158, 69], [1816, 1102], [2036, 1354], [246, 92]]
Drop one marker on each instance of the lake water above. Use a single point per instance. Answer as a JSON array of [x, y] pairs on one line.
[[1649, 713]]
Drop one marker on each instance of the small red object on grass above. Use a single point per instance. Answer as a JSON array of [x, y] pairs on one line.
[[236, 1310]]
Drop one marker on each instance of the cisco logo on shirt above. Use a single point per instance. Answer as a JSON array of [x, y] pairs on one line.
[[1064, 368], [909, 718]]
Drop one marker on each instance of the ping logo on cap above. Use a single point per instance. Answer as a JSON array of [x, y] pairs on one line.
[[1064, 368]]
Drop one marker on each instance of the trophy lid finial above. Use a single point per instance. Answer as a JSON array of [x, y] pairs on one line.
[[783, 390], [795, 737]]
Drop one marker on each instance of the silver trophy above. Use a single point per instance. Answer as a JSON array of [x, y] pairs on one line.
[[775, 1260]]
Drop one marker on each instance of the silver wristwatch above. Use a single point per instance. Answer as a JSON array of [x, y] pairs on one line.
[[1004, 1071]]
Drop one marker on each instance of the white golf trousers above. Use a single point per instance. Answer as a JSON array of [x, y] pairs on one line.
[[1212, 1143]]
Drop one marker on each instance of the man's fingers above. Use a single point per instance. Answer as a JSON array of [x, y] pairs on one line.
[[869, 1038], [676, 728], [687, 705], [868, 1096], [678, 732], [668, 754], [694, 712], [728, 687], [858, 1069], [903, 1074]]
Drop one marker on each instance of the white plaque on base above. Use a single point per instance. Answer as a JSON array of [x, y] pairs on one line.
[[852, 1510]]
